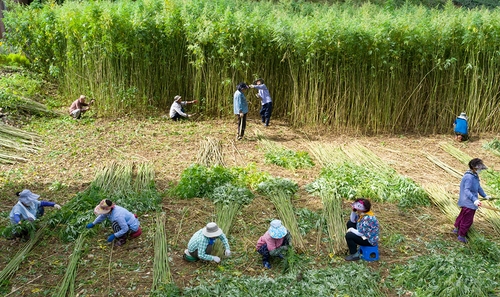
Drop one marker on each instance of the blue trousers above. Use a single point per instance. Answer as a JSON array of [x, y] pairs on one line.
[[265, 112]]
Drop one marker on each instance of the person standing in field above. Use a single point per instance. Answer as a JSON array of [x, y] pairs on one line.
[[274, 243], [267, 103], [201, 244], [177, 108], [240, 105], [365, 232], [79, 107], [123, 222], [461, 127], [468, 200]]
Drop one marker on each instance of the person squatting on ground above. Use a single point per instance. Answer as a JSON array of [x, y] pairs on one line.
[[274, 243], [468, 199], [29, 207], [123, 222], [363, 228], [267, 103], [177, 108], [201, 244], [461, 127], [79, 107], [240, 106]]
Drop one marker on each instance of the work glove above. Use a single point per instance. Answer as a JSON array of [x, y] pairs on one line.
[[216, 259], [111, 238], [90, 225], [227, 253], [477, 203], [488, 197], [57, 206]]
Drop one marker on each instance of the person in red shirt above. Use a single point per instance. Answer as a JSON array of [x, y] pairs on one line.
[[274, 242]]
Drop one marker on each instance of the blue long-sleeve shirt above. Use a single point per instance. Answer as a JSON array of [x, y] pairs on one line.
[[469, 189], [124, 218], [18, 213], [240, 103]]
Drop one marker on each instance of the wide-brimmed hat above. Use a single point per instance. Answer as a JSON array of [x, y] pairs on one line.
[[276, 230], [103, 208], [27, 197], [177, 98], [212, 230], [463, 116]]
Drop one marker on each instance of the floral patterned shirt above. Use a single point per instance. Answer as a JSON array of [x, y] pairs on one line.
[[368, 226]]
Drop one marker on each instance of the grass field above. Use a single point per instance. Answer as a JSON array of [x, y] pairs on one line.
[[72, 151]]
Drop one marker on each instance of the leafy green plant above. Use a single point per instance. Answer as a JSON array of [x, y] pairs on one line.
[[452, 274], [273, 185], [200, 181], [289, 159]]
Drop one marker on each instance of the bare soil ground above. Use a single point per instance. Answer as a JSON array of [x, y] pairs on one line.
[[73, 150]]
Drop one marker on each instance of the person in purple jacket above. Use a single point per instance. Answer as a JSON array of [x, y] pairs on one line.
[[29, 207], [366, 230], [468, 200], [123, 222]]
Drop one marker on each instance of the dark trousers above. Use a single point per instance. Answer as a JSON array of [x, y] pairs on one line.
[[464, 220], [353, 241], [208, 251], [242, 124], [265, 112]]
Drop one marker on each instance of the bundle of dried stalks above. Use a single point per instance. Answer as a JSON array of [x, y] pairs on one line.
[[210, 153]]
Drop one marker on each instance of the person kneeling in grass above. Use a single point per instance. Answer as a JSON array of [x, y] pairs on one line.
[[201, 244], [366, 230], [28, 208], [274, 243], [123, 221]]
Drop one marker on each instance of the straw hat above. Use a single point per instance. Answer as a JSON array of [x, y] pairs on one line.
[[277, 230], [177, 98], [103, 208], [212, 230]]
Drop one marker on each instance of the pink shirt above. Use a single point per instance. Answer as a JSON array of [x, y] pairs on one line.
[[76, 105], [272, 243]]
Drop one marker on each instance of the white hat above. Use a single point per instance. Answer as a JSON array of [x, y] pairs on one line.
[[176, 98], [212, 230], [27, 197], [277, 230], [463, 116]]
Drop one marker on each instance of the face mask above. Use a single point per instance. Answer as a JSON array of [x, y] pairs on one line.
[[479, 170]]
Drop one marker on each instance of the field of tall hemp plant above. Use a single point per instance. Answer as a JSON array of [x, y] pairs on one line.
[[352, 68]]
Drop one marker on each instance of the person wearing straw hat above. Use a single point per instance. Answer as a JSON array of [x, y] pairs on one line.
[[366, 231], [267, 103], [79, 107], [240, 108], [201, 244], [461, 127], [177, 108], [28, 207], [274, 243], [468, 200], [123, 222]]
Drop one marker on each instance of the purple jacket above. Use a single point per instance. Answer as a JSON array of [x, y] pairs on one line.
[[469, 189]]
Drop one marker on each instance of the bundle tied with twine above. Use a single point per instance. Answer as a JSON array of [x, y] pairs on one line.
[[210, 153]]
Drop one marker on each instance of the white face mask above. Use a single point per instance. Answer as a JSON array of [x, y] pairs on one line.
[[478, 170]]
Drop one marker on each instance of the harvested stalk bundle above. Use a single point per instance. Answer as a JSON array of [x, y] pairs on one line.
[[228, 200], [280, 191], [210, 153], [115, 177], [14, 140], [444, 166], [493, 146], [328, 155], [13, 265], [455, 152], [67, 287], [10, 159], [283, 203], [145, 176], [332, 211], [362, 156], [161, 267]]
